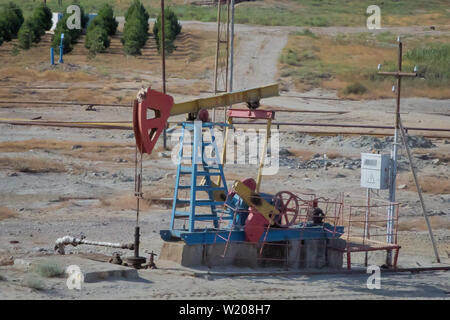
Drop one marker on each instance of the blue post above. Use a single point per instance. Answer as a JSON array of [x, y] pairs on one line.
[[52, 56], [61, 49]]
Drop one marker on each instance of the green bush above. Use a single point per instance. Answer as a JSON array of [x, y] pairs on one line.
[[134, 37], [11, 19], [355, 88], [106, 16], [35, 26], [172, 29], [26, 36], [137, 10], [135, 33], [97, 39], [49, 269], [15, 9], [33, 281], [43, 15], [67, 41]]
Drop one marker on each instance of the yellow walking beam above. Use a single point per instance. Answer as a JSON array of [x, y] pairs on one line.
[[225, 99]]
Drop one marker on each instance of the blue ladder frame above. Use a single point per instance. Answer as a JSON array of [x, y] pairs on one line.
[[209, 167]]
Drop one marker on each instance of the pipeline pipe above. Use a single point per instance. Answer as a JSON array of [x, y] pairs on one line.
[[61, 243]]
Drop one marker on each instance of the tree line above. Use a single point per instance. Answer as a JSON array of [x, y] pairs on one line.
[[98, 31]]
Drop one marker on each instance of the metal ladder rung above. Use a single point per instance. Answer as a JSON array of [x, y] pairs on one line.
[[181, 214], [208, 203], [206, 173], [206, 217], [208, 188]]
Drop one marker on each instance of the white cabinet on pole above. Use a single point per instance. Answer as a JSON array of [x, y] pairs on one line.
[[375, 171]]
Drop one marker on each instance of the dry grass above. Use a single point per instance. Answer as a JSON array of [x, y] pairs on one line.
[[303, 154], [428, 184], [419, 224], [333, 155], [32, 165], [128, 201], [90, 151], [42, 144], [7, 213], [193, 59], [337, 62], [426, 19]]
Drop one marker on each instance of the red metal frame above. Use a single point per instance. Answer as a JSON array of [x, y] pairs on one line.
[[251, 114], [147, 131], [366, 223]]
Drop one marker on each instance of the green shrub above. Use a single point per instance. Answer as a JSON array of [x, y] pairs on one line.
[[134, 37], [67, 41], [34, 282], [106, 16], [172, 29], [135, 33], [136, 9], [26, 36], [97, 39], [43, 15], [49, 269], [11, 19], [1, 39], [14, 8], [355, 88]]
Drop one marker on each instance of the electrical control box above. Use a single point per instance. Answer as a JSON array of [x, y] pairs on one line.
[[375, 170]]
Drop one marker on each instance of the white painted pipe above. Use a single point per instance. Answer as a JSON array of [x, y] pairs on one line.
[[61, 243]]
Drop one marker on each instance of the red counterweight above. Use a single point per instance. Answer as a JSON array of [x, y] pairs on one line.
[[147, 131]]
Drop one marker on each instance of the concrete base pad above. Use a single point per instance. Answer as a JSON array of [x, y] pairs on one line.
[[93, 271], [306, 254]]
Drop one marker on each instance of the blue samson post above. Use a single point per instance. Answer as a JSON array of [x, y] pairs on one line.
[[200, 166], [61, 49]]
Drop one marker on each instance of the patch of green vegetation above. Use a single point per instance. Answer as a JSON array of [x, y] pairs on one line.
[[306, 32], [35, 26], [135, 33], [433, 62], [355, 88], [305, 66], [172, 29], [33, 281], [11, 19], [99, 30], [49, 269]]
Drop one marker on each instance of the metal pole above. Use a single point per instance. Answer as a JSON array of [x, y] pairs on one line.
[[230, 83], [390, 231], [163, 51], [230, 87], [366, 225], [216, 67]]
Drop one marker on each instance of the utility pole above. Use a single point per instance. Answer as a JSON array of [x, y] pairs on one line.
[[230, 82], [163, 47], [221, 69], [163, 55], [394, 154]]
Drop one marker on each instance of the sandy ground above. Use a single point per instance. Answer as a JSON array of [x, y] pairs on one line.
[[93, 193]]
